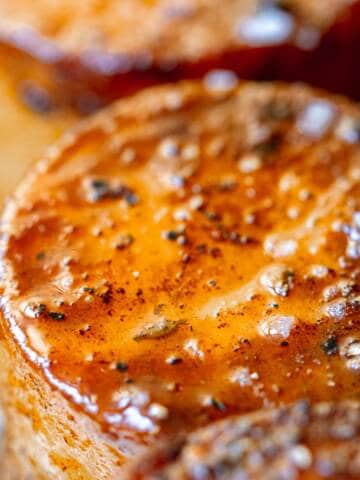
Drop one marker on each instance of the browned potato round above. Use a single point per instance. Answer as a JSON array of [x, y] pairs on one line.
[[306, 442], [190, 253], [89, 52]]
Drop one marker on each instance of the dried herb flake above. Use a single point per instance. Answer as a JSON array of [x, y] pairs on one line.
[[159, 329]]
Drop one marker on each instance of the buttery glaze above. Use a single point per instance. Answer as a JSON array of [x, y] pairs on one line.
[[298, 442], [191, 253], [94, 51]]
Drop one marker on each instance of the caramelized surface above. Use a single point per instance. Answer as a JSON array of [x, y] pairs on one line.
[[95, 51], [301, 441], [190, 253]]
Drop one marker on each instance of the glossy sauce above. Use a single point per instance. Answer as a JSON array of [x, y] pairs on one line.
[[191, 253]]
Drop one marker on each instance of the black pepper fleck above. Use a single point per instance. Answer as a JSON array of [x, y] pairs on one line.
[[330, 346], [122, 367], [173, 360], [218, 405], [171, 235], [58, 316]]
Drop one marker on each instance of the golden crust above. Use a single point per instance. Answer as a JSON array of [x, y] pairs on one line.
[[301, 441], [46, 437], [191, 253]]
